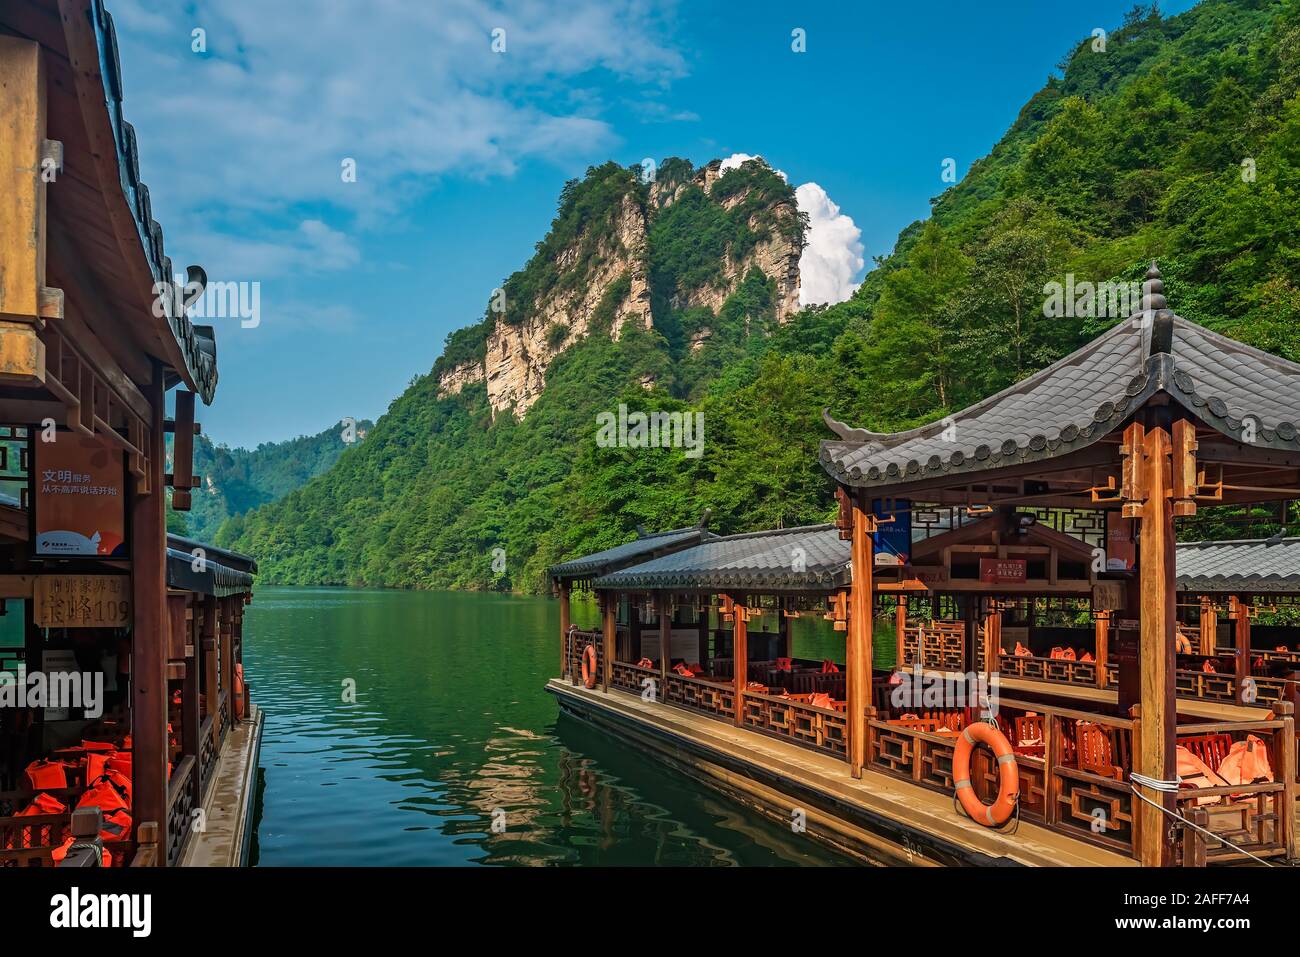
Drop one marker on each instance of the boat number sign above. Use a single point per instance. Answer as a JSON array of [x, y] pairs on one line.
[[81, 601]]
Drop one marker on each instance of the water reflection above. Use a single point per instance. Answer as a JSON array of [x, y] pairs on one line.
[[450, 731]]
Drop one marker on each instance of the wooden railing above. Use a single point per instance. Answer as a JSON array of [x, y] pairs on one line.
[[180, 808], [1057, 789], [698, 694], [1059, 670], [822, 729], [208, 752], [935, 645], [576, 642], [629, 677], [1258, 818]]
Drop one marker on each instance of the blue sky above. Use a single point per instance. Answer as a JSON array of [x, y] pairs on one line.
[[461, 151]]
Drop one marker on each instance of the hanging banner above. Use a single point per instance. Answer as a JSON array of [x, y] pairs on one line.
[[81, 601], [893, 537], [79, 498], [1121, 546]]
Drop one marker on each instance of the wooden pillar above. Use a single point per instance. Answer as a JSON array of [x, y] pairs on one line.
[[1209, 626], [993, 638], [1157, 657], [227, 634], [149, 631], [610, 624], [665, 642], [566, 619], [208, 647], [1240, 612], [24, 298], [861, 599], [190, 719], [1101, 637], [702, 637], [740, 656], [633, 630], [900, 631]]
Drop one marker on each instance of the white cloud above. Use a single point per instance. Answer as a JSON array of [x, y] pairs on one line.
[[248, 140], [833, 255], [737, 159]]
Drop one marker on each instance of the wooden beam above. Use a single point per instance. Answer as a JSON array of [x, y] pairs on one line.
[[22, 354], [610, 623], [183, 451], [1240, 613], [22, 190], [1102, 640], [1157, 658], [1209, 626], [740, 656], [566, 619], [665, 641], [149, 638], [861, 600]]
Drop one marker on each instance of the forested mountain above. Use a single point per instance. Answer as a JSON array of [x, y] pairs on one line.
[[236, 480], [1180, 141]]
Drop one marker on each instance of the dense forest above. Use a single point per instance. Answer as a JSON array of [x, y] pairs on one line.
[[237, 480], [1179, 142]]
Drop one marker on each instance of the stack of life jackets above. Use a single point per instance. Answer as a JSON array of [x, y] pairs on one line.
[[1022, 651], [829, 667]]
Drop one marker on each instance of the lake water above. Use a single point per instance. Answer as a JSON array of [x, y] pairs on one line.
[[450, 727]]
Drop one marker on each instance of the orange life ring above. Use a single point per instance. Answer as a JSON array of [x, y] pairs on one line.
[[1008, 775], [589, 673]]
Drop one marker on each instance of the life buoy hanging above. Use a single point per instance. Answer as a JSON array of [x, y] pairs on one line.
[[589, 666], [1000, 811]]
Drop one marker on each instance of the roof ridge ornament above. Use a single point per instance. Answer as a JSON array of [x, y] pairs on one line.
[[1156, 313]]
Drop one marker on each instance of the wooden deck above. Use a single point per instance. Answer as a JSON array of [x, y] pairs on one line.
[[877, 818], [230, 800]]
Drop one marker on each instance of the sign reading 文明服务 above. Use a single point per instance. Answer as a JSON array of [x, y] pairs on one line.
[[81, 601], [78, 498]]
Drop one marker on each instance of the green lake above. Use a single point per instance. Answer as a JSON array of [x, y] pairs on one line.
[[452, 731]]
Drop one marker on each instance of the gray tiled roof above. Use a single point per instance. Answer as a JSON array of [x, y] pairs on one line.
[[812, 557], [1082, 398], [1254, 565], [197, 344], [222, 572], [629, 553]]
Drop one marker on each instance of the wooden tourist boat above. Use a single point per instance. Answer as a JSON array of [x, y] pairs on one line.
[[90, 582], [1023, 546]]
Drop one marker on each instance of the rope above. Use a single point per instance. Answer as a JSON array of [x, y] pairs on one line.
[[1169, 787]]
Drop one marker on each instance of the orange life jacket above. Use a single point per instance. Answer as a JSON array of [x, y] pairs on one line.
[[784, 664], [1065, 653], [819, 700], [43, 804], [97, 763], [1087, 657], [108, 793], [116, 826], [1208, 668], [1195, 772], [1022, 651], [1246, 762], [119, 762], [829, 667], [645, 663], [46, 775], [97, 746], [238, 691], [682, 670]]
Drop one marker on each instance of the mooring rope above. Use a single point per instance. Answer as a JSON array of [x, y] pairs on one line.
[[1170, 787]]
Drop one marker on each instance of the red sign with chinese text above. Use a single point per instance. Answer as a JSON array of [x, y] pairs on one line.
[[1003, 571]]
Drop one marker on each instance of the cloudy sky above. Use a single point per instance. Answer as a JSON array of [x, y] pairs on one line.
[[460, 149]]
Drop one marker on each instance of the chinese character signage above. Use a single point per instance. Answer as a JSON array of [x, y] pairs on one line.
[[1121, 545], [81, 601], [79, 501], [1002, 571]]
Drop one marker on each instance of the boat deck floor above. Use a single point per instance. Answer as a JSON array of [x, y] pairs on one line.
[[917, 807], [229, 805]]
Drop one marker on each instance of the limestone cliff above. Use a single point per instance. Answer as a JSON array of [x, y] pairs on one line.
[[591, 275]]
